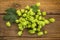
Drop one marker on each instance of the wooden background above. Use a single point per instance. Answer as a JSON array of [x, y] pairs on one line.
[[52, 7]]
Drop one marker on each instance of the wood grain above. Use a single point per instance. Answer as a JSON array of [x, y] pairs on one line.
[[53, 29], [50, 6], [19, 38]]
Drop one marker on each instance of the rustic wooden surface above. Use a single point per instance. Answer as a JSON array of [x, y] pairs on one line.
[[52, 7]]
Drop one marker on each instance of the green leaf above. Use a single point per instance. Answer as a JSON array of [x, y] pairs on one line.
[[35, 8], [11, 11], [12, 18], [6, 17], [10, 15]]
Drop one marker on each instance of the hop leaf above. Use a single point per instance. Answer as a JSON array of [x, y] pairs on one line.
[[10, 15]]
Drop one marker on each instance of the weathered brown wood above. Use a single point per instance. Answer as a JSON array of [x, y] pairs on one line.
[[50, 6], [53, 29], [19, 38]]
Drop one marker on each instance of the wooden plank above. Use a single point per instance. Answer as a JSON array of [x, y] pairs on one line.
[[53, 29], [50, 6], [20, 38]]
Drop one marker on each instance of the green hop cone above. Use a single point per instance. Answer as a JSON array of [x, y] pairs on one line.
[[38, 10], [33, 21], [19, 13], [39, 13], [38, 29], [52, 20], [20, 27], [38, 4], [20, 33], [24, 23], [21, 19], [31, 12], [31, 31], [31, 18], [33, 25], [40, 33], [36, 20], [8, 24], [22, 10], [45, 32], [44, 13], [24, 15], [17, 21], [28, 26], [42, 23], [34, 29], [40, 26], [40, 17], [36, 16], [27, 7], [26, 11], [46, 21], [43, 18]]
